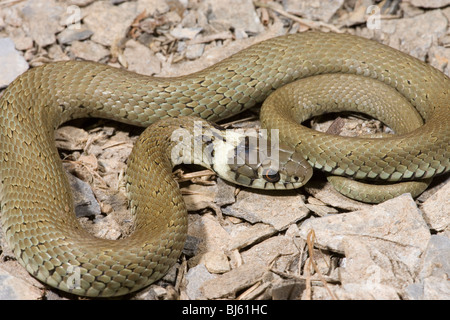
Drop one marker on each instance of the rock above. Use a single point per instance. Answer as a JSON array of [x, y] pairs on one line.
[[14, 288], [268, 207], [433, 281], [141, 59], [195, 51], [430, 4], [227, 284], [196, 277], [89, 50], [327, 194], [80, 3], [21, 41], [85, 202], [319, 208], [281, 247], [436, 261], [109, 23], [42, 20], [397, 221], [69, 35], [238, 14], [249, 235], [382, 246], [185, 33], [216, 262], [436, 209], [12, 64], [322, 10], [208, 229], [71, 138], [371, 273], [408, 34]]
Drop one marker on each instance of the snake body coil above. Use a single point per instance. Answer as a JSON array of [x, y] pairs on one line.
[[36, 203]]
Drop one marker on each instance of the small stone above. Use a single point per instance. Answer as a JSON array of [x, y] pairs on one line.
[[41, 20], [89, 50], [238, 14], [196, 277], [141, 59], [185, 33], [216, 262], [195, 51], [322, 10], [69, 35], [12, 64], [85, 202], [109, 23], [21, 41]]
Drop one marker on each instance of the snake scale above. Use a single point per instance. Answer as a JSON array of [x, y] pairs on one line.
[[36, 202]]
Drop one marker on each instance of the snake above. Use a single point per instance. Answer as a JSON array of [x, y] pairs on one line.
[[37, 208]]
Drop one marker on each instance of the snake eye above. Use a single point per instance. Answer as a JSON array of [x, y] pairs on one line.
[[271, 175]]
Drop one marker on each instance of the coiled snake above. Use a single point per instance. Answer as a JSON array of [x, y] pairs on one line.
[[36, 203]]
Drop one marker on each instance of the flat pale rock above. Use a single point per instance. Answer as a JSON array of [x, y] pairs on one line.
[[14, 288], [382, 245], [397, 221], [12, 63], [436, 209], [277, 210], [42, 20], [227, 284]]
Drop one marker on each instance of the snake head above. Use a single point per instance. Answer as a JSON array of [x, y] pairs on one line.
[[262, 163]]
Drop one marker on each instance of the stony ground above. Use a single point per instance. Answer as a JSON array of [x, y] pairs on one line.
[[310, 243]]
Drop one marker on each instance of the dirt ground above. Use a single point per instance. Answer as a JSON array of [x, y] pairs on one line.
[[311, 243]]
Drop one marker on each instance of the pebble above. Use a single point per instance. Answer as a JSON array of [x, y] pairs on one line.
[[85, 202], [141, 59], [109, 23], [238, 14], [216, 262], [322, 10], [12, 63], [89, 50], [69, 35], [41, 20]]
